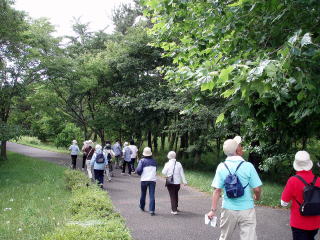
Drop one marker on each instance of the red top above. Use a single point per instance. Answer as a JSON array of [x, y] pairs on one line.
[[294, 191]]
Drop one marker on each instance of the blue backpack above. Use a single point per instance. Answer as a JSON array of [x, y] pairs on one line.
[[100, 158], [232, 184]]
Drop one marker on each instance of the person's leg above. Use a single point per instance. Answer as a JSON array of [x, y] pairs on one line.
[[143, 195], [74, 161], [89, 169], [132, 164], [247, 224], [228, 223], [129, 167], [108, 173], [170, 188], [300, 234], [177, 188], [84, 157], [110, 166], [124, 167], [152, 202]]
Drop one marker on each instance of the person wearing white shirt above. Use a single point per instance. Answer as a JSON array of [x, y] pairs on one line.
[[173, 167], [134, 154], [74, 153]]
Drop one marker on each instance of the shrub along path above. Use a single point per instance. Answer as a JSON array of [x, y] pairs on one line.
[[125, 191]]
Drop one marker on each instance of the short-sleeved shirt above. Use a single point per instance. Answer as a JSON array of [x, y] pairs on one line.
[[134, 150], [247, 175], [293, 192]]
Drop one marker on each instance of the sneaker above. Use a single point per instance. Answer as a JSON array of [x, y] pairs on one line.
[[174, 213], [141, 208], [152, 213]]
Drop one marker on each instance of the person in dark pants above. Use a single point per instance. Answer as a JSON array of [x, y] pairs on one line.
[[99, 162], [126, 158], [134, 155], [174, 168], [147, 169], [74, 153], [303, 227], [84, 154]]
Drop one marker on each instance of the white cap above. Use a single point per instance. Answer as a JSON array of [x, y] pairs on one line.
[[230, 145], [171, 155], [74, 141], [147, 152], [302, 161]]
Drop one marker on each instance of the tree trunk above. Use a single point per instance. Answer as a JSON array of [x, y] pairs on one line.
[[172, 141], [3, 155], [163, 141], [155, 143], [218, 147], [149, 139]]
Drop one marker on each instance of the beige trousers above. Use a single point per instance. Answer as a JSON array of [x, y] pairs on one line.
[[245, 219]]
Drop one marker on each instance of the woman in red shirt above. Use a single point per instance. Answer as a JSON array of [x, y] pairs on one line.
[[303, 227]]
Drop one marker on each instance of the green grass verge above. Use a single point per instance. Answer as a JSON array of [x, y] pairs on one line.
[[92, 214], [33, 198], [35, 142]]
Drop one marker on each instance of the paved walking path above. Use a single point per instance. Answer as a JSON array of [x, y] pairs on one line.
[[189, 225]]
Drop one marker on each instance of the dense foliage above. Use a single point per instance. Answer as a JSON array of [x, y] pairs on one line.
[[185, 76]]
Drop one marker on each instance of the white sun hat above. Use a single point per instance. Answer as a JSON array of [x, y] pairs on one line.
[[171, 155], [147, 152], [302, 161]]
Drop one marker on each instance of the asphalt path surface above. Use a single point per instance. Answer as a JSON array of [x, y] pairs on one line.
[[272, 224]]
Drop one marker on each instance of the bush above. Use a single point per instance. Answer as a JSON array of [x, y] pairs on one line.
[[93, 215], [69, 133], [76, 179], [29, 140]]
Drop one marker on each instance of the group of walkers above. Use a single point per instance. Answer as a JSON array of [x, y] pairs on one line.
[[101, 161], [236, 180]]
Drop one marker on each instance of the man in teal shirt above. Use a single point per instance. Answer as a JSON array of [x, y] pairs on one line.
[[236, 211]]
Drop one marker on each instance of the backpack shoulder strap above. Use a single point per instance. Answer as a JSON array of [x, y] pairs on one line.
[[227, 167], [314, 180], [239, 166], [301, 179]]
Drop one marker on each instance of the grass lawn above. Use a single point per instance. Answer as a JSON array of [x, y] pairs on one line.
[[34, 142], [33, 198]]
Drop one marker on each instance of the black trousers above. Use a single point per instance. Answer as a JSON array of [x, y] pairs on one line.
[[300, 234], [99, 176], [173, 190], [84, 158], [74, 161], [133, 160], [124, 167]]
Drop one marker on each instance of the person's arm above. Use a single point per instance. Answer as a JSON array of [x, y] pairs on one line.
[[165, 170], [182, 176], [215, 199], [139, 169], [257, 193], [93, 159]]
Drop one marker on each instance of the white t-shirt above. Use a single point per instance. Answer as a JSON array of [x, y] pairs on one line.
[[134, 150]]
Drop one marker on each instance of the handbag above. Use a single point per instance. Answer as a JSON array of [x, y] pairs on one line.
[[169, 180]]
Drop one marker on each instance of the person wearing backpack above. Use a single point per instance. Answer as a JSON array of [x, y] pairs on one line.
[[117, 154], [238, 201], [126, 158], [304, 213], [98, 162], [110, 154]]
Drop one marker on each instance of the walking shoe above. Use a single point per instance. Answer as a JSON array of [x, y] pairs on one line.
[[174, 213], [141, 208], [152, 213]]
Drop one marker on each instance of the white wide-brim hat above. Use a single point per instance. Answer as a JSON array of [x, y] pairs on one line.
[[147, 152], [74, 141], [302, 161]]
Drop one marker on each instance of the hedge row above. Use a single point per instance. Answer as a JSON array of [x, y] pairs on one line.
[[93, 215]]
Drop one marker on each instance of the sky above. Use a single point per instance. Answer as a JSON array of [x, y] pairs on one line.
[[61, 12]]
